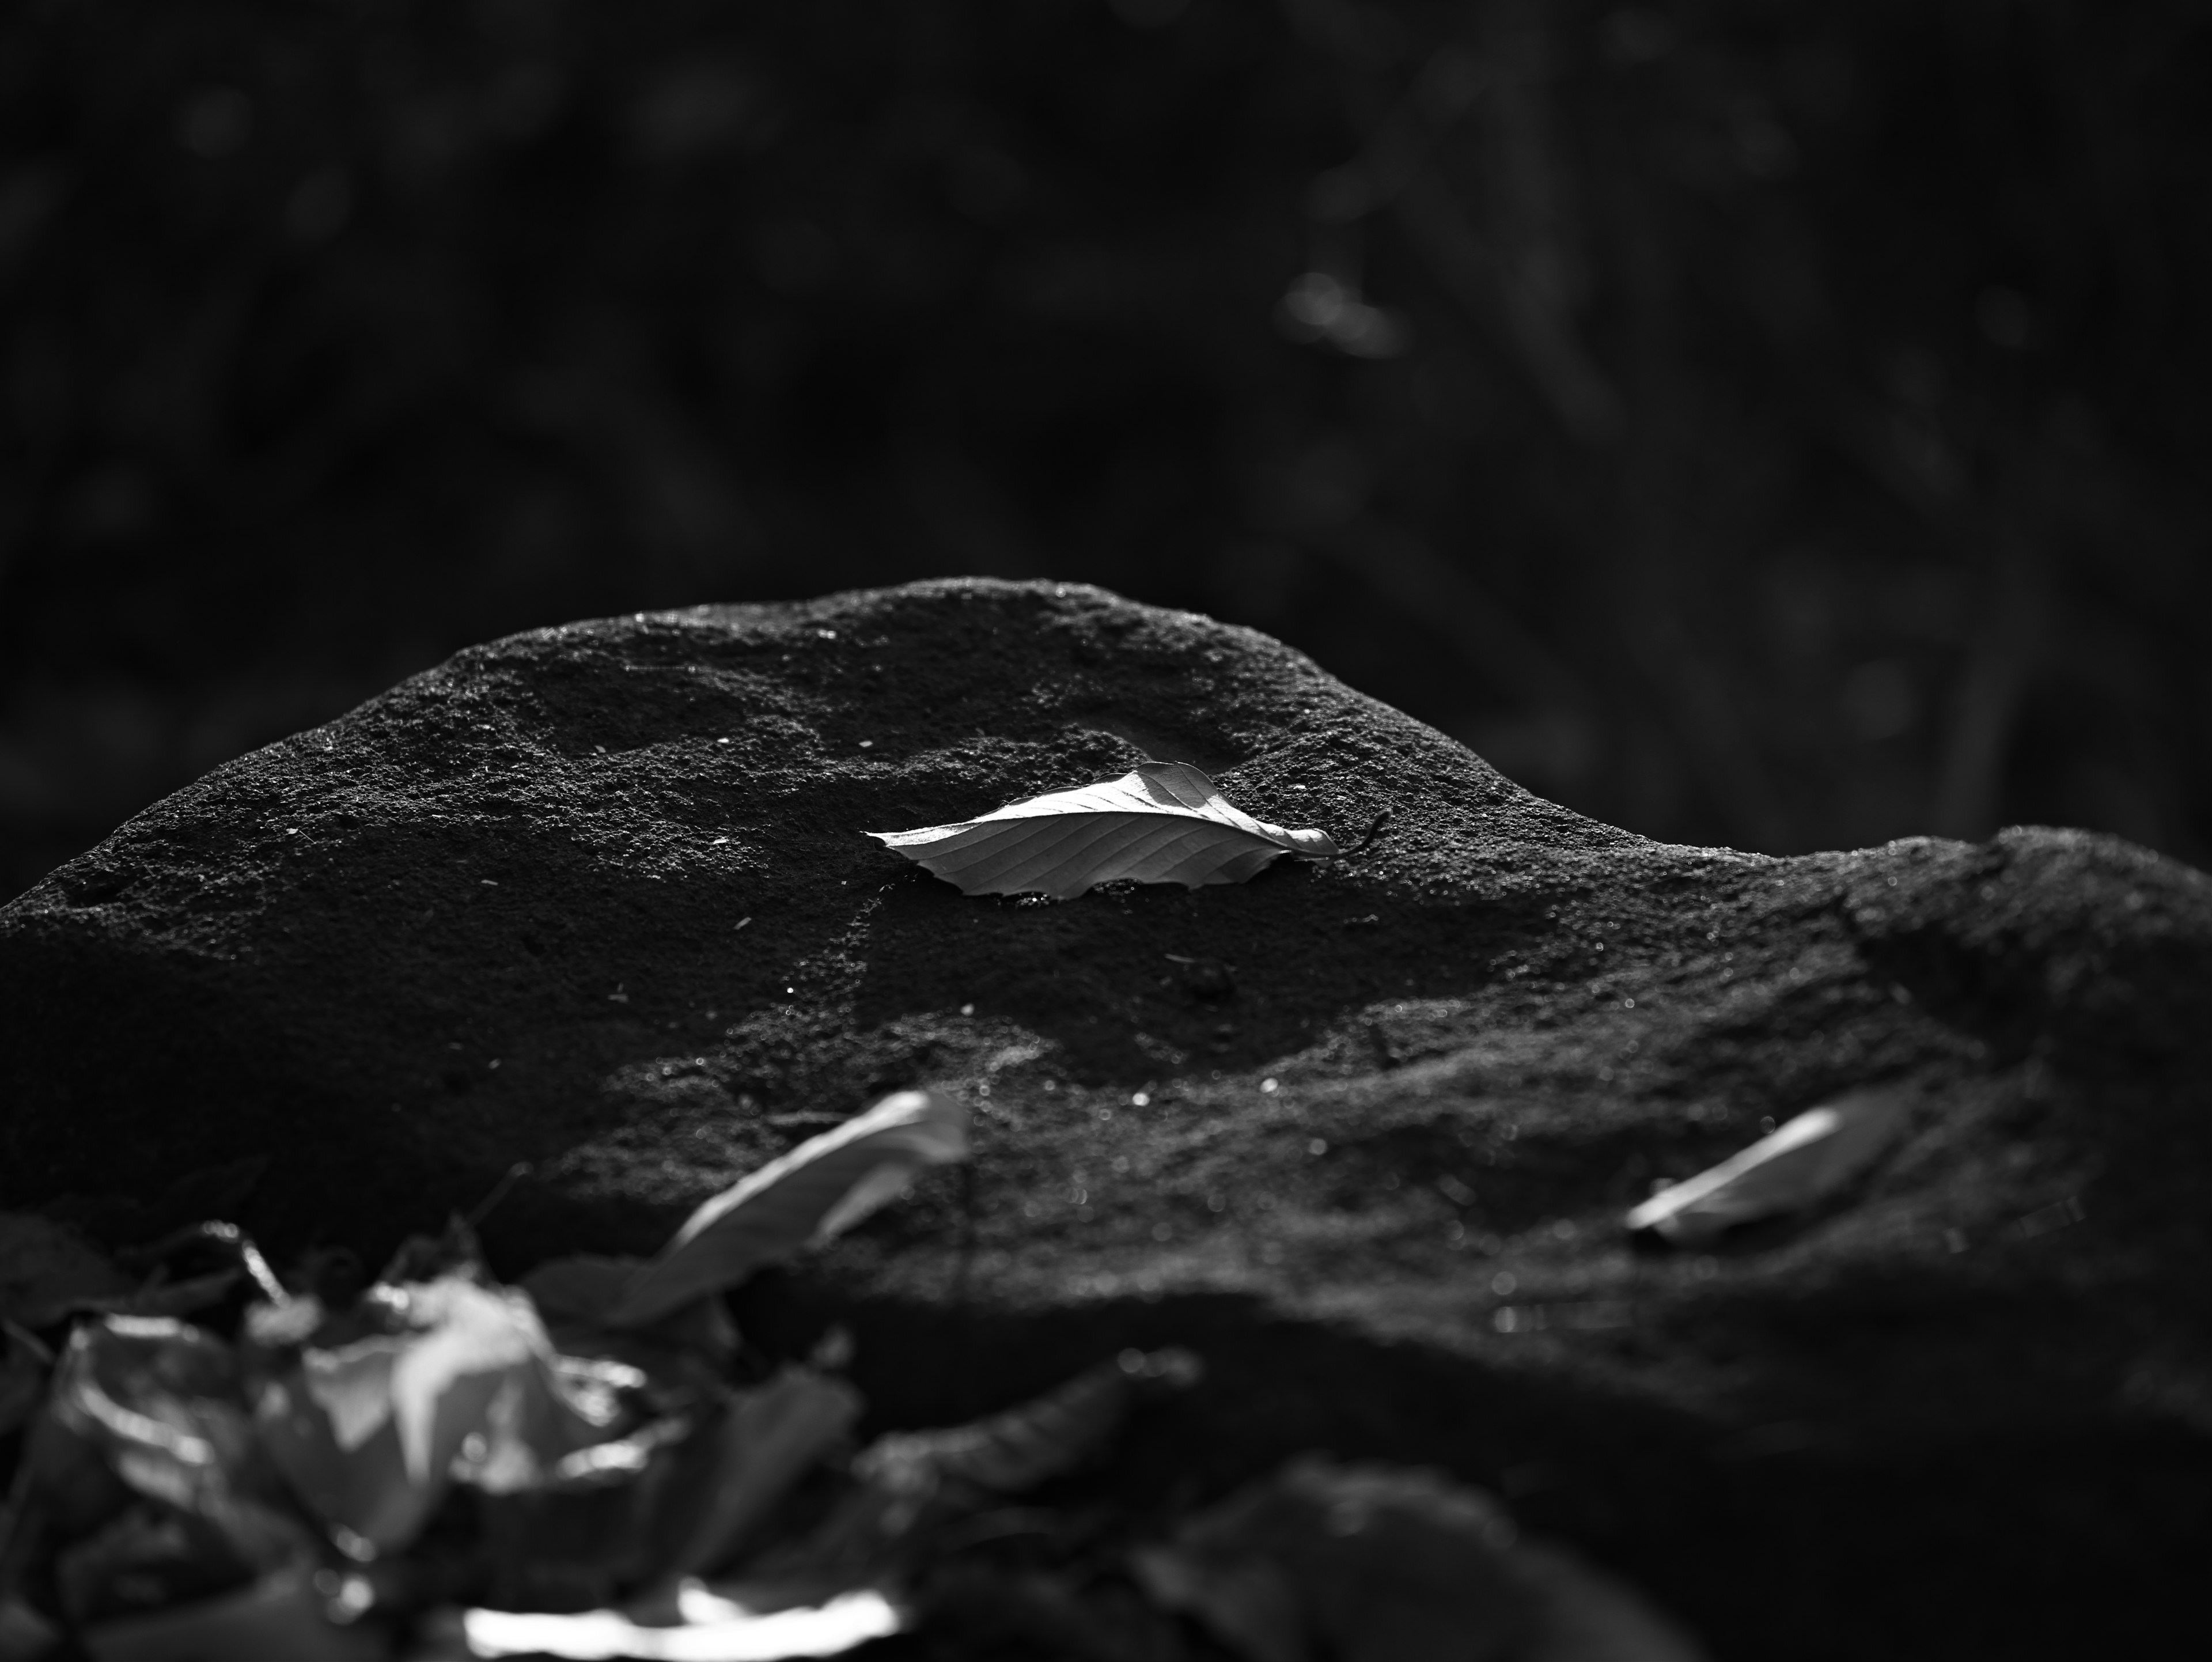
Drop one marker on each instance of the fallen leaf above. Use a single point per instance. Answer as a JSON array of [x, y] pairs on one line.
[[769, 1440], [1164, 823], [159, 1399], [822, 1187], [911, 1485], [370, 1433], [713, 1628], [1798, 1165]]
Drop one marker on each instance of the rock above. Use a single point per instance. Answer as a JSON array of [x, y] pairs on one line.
[[1363, 1132]]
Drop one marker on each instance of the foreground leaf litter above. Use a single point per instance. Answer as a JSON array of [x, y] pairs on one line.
[[592, 1465]]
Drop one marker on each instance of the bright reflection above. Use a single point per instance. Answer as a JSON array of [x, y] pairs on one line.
[[716, 1630]]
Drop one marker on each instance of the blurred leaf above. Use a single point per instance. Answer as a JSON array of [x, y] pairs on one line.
[[1377, 1563], [47, 1270], [161, 1400], [766, 1442], [713, 1629], [25, 1635], [1800, 1164], [1164, 823], [1025, 1446], [370, 1433], [280, 1618], [911, 1484], [1365, 1563], [825, 1185], [1588, 1617]]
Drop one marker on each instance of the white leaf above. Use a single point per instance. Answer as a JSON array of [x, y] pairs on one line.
[[442, 1383], [369, 1433], [1166, 823], [1801, 1163], [352, 1385], [826, 1185]]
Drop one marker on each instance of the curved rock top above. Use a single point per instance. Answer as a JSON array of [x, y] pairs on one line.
[[599, 898]]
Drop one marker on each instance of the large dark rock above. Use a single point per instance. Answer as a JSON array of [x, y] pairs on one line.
[[598, 898]]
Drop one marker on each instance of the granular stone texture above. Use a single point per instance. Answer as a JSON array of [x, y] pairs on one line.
[[1360, 1131]]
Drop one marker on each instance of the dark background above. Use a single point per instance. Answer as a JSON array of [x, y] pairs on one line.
[[1766, 422]]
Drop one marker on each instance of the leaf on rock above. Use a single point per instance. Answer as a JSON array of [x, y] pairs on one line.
[[1166, 823], [1801, 1163], [823, 1186]]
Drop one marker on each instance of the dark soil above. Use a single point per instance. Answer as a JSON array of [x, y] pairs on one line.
[[1360, 1131]]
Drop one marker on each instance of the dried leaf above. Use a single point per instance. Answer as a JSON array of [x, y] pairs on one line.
[[1166, 823], [913, 1484], [1799, 1164], [826, 1185], [713, 1628]]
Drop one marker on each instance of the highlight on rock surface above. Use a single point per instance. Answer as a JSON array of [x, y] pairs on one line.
[[1796, 1167], [1166, 823]]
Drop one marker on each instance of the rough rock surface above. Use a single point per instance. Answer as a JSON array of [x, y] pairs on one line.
[[1362, 1131]]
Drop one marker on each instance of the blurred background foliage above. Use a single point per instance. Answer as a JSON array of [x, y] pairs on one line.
[[1750, 421]]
